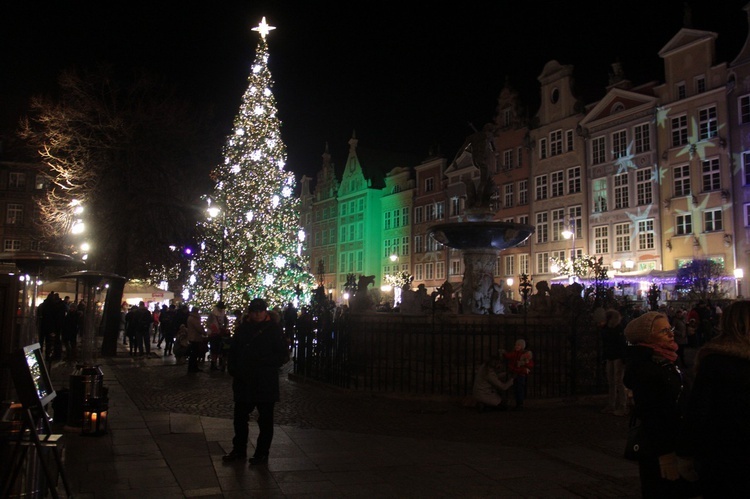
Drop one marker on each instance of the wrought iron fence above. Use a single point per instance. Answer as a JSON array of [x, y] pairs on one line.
[[437, 355]]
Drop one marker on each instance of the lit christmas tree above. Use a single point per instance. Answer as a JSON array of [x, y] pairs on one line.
[[251, 239]]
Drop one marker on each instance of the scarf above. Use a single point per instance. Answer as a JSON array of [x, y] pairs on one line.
[[668, 352]]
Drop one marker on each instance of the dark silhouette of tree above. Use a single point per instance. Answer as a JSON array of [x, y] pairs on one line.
[[701, 280], [134, 155]]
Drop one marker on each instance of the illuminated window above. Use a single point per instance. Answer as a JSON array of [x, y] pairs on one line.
[[644, 186], [621, 191], [574, 179], [523, 192], [540, 184], [642, 138], [508, 195], [558, 183], [683, 224], [598, 154], [555, 143], [542, 263], [682, 180], [14, 214], [600, 195], [712, 220], [619, 144], [708, 125], [679, 131], [510, 265], [601, 239], [541, 227], [646, 234], [622, 237], [744, 109], [711, 174]]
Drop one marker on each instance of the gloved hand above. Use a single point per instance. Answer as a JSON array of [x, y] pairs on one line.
[[686, 469], [668, 466]]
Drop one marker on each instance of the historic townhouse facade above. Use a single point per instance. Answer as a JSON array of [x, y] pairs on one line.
[[20, 185], [559, 199], [692, 121], [396, 213], [429, 258]]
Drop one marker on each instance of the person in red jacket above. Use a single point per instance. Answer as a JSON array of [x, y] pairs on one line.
[[520, 363]]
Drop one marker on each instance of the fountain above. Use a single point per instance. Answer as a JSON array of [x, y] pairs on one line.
[[479, 236]]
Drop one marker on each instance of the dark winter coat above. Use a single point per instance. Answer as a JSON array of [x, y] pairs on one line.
[[613, 337], [717, 433], [258, 351], [659, 394]]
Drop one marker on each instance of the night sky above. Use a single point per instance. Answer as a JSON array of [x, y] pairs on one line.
[[404, 77]]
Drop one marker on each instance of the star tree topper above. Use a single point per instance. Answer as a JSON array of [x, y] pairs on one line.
[[263, 28]]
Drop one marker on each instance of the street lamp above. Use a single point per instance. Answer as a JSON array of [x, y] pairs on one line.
[[738, 275]]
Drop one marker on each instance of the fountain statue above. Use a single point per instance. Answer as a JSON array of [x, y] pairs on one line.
[[479, 236]]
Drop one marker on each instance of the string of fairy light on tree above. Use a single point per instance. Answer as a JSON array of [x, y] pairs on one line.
[[252, 245]]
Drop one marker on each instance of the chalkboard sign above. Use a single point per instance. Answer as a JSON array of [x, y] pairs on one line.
[[31, 378]]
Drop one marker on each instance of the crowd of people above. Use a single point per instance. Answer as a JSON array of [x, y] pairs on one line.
[[59, 322]]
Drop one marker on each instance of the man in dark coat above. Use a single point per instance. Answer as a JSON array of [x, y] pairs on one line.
[[258, 351]]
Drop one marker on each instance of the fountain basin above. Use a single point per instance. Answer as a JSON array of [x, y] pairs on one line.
[[481, 234]]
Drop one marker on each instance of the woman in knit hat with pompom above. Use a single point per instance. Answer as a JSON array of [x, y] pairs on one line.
[[659, 394]]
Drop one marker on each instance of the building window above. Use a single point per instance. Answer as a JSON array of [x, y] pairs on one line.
[[683, 224], [523, 264], [455, 267], [405, 217], [508, 195], [519, 157], [558, 224], [682, 180], [405, 246], [429, 211], [558, 183], [744, 111], [396, 219], [429, 271], [700, 84], [681, 91], [510, 265], [523, 192], [712, 220], [540, 184], [439, 210], [14, 214], [575, 214], [746, 166], [543, 148], [642, 138], [747, 215], [643, 186], [598, 154], [646, 234], [418, 215], [621, 191], [429, 184], [711, 175], [507, 117], [679, 131], [387, 221], [619, 144], [569, 140], [418, 273], [542, 263], [555, 143], [343, 234], [16, 181], [418, 248], [600, 195], [12, 245], [708, 125], [439, 271], [455, 207], [507, 159], [601, 239], [574, 179], [541, 227], [622, 237]]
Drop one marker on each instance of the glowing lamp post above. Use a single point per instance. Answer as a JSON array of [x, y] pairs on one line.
[[738, 275], [570, 233]]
